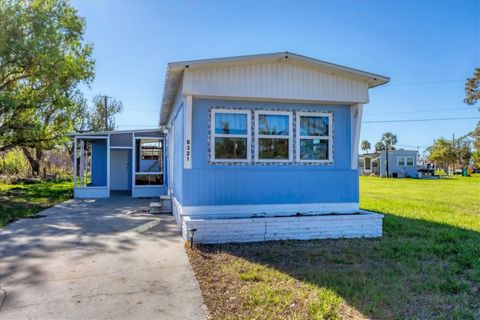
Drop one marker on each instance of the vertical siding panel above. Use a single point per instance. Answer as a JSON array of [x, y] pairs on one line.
[[281, 80], [207, 184]]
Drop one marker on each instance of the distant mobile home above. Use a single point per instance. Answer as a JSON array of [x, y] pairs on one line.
[[249, 148], [401, 164]]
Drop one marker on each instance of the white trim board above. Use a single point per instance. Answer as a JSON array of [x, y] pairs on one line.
[[237, 211]]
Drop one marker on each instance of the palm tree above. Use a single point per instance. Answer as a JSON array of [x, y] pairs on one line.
[[365, 146], [379, 146], [388, 141]]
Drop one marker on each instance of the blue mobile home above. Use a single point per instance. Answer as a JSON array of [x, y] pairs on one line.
[[253, 148], [401, 164]]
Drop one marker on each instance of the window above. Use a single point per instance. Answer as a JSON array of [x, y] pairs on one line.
[[230, 138], [406, 161], [273, 132], [410, 161], [314, 137], [149, 161]]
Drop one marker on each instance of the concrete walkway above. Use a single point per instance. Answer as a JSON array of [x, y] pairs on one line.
[[97, 259]]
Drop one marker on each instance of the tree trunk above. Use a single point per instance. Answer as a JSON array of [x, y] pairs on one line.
[[34, 160]]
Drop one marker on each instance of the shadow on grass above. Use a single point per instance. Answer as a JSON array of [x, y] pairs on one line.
[[419, 269]]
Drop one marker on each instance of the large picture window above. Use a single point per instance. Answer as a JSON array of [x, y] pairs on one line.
[[273, 132], [230, 135], [314, 137], [149, 161]]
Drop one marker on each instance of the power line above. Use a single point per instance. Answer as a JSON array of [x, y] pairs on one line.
[[426, 82], [419, 111], [139, 109], [421, 120], [410, 146], [374, 121]]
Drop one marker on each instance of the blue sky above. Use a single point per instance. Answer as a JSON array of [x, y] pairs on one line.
[[428, 48]]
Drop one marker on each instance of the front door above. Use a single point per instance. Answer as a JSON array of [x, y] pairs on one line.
[[120, 169], [367, 164]]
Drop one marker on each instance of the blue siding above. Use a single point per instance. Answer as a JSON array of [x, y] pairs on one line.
[[393, 166], [99, 163], [207, 184], [149, 191]]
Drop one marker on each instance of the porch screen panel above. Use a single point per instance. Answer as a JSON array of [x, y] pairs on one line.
[[149, 162], [91, 162]]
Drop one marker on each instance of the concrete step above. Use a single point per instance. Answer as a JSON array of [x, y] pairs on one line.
[[155, 207], [164, 206]]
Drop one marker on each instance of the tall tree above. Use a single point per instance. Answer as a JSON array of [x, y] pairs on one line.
[[463, 150], [365, 145], [442, 152], [388, 140], [102, 116], [43, 59], [379, 146], [92, 119], [472, 88], [475, 134], [472, 96]]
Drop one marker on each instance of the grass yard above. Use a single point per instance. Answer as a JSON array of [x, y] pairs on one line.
[[426, 266], [18, 201]]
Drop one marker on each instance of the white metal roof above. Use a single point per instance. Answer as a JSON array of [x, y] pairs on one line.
[[175, 71]]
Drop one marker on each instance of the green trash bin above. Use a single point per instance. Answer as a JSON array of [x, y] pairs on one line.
[[464, 172]]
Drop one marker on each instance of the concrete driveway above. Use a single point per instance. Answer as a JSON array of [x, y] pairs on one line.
[[97, 259]]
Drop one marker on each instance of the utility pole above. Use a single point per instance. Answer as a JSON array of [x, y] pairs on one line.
[[106, 112]]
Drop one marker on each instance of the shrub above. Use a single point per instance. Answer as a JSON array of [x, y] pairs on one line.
[[14, 162]]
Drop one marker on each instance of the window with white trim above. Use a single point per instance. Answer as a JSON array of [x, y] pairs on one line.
[[230, 135], [273, 136], [314, 137], [409, 161]]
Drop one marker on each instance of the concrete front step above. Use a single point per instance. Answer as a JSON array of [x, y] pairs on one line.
[[164, 206]]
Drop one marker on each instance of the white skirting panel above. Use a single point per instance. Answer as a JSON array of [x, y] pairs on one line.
[[363, 224], [91, 192]]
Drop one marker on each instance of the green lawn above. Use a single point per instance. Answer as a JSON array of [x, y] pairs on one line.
[[19, 201], [426, 266]]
